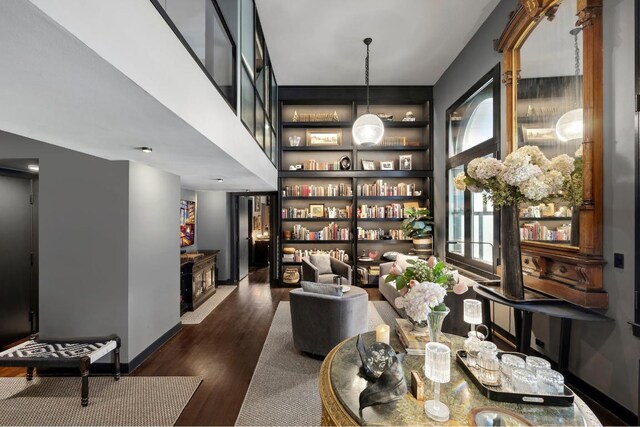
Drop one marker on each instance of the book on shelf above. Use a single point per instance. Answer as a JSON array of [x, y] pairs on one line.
[[330, 232], [413, 342], [390, 211], [384, 189], [330, 190], [331, 212], [377, 234]]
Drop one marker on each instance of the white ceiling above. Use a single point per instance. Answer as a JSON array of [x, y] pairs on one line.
[[55, 89], [319, 42]]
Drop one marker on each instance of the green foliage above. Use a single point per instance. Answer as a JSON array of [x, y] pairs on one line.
[[419, 270], [417, 223], [572, 188]]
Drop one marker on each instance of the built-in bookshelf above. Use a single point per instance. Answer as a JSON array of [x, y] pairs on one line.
[[329, 186]]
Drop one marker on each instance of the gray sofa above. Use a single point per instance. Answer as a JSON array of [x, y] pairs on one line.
[[320, 322], [311, 272], [388, 290]]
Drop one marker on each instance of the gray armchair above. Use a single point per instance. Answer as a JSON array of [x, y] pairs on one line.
[[320, 322], [323, 269]]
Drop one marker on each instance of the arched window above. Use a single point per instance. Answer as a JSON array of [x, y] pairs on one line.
[[479, 128]]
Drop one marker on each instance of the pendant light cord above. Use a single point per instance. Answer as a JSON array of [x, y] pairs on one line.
[[367, 41]]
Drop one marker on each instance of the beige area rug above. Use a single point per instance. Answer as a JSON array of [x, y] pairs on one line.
[[55, 401], [284, 387], [200, 313]]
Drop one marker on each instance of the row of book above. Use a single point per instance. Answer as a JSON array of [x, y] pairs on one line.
[[394, 210], [314, 165], [377, 234], [545, 211], [536, 231], [328, 212], [330, 232], [331, 190], [339, 254], [381, 188]]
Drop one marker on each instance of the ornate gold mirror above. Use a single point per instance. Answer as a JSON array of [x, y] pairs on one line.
[[552, 70]]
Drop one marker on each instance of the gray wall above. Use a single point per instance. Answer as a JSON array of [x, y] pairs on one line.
[[154, 255], [83, 247], [212, 228], [192, 196], [108, 245], [604, 355]]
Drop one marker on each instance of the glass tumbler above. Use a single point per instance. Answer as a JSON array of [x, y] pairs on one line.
[[472, 347], [537, 363], [488, 364], [550, 382], [524, 381], [508, 364]]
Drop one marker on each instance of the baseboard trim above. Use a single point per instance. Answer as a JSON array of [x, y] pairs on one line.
[[598, 397], [137, 361]]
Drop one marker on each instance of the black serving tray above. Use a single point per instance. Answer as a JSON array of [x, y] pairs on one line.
[[496, 392]]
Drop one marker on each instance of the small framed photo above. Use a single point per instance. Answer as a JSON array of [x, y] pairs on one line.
[[386, 166], [316, 211], [317, 137], [538, 135], [405, 162], [368, 165]]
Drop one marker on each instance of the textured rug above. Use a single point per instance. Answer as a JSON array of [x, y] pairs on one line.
[[284, 387], [55, 401], [200, 313]]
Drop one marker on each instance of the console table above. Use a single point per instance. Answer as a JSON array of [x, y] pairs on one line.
[[341, 385], [198, 275], [563, 310]]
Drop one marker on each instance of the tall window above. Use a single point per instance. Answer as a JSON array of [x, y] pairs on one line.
[[473, 130]]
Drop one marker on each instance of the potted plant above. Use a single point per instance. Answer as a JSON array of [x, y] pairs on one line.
[[417, 225]]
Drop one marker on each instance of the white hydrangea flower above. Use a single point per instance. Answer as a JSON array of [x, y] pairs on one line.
[[422, 297], [563, 164], [554, 180], [518, 173], [489, 168], [535, 189], [472, 166], [536, 155], [459, 183]]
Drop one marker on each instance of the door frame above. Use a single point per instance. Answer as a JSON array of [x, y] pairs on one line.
[[235, 232]]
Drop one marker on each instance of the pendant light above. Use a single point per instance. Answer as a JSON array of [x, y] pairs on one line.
[[570, 126], [368, 129]]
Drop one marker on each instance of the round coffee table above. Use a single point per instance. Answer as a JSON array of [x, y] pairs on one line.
[[340, 387]]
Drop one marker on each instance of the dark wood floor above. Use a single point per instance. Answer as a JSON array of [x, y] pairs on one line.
[[224, 350]]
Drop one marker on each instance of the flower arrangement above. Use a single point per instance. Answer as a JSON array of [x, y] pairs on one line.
[[525, 175], [423, 286]]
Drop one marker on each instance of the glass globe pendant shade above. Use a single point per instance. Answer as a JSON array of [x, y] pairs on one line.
[[570, 126], [368, 130]]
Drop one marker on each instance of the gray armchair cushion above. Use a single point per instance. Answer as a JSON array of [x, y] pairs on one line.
[[320, 322], [322, 263], [321, 288]]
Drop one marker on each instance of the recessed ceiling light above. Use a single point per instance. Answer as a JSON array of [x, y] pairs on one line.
[[33, 168], [146, 149], [220, 179]]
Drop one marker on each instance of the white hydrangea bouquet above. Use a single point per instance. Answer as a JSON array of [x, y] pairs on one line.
[[421, 300], [525, 176]]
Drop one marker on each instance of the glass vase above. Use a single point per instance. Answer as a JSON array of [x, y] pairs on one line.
[[434, 320], [512, 282]]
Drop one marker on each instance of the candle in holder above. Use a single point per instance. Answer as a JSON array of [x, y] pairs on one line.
[[382, 333], [473, 314]]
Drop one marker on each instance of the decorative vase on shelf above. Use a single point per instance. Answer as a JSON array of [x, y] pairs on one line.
[[434, 321], [512, 282]]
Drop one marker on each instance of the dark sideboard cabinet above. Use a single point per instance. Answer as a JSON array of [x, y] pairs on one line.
[[198, 278]]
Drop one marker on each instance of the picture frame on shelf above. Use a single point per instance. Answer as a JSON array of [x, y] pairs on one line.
[[368, 165], [538, 135], [386, 165], [405, 162], [316, 210], [323, 137]]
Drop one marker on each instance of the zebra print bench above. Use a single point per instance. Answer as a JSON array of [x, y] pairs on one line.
[[70, 353]]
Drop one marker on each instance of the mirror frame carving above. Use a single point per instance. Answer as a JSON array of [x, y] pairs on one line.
[[571, 273]]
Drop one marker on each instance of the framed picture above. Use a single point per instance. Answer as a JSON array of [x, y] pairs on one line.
[[386, 166], [187, 223], [324, 137], [538, 135], [316, 211], [405, 162], [368, 165]]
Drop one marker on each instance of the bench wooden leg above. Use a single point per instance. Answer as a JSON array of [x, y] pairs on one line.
[[29, 373], [84, 373], [116, 364]]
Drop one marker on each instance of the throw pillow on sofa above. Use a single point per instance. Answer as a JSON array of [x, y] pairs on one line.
[[321, 288], [401, 261]]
